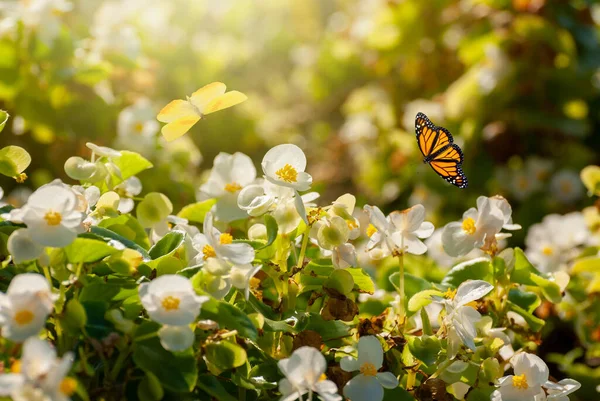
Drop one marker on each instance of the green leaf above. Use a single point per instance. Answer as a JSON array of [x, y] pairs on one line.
[[362, 281], [86, 250], [131, 163], [96, 325], [526, 300], [13, 160], [328, 329], [412, 284], [108, 291], [590, 264], [525, 273], [476, 269], [167, 244], [176, 372], [196, 212], [225, 355], [128, 227], [534, 322], [3, 119], [230, 317], [272, 229], [211, 386], [150, 388], [422, 299], [340, 281], [109, 234], [74, 318], [425, 348]]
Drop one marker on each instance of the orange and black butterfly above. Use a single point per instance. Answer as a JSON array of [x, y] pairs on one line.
[[440, 151]]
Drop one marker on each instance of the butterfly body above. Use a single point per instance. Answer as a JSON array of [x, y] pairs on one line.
[[439, 151]]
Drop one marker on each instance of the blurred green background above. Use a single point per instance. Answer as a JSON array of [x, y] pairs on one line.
[[516, 81]]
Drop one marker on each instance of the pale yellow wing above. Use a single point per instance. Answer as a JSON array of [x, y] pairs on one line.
[[224, 101], [179, 127], [206, 94], [175, 110]]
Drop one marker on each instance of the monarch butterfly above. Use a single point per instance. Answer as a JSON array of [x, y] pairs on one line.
[[440, 151]]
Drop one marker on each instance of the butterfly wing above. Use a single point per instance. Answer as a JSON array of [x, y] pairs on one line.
[[224, 101], [431, 138], [179, 127], [448, 164], [438, 148]]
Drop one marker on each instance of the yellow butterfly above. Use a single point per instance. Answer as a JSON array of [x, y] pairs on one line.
[[180, 115]]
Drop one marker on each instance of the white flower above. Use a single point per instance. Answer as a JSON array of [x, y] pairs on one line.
[[171, 300], [460, 317], [103, 151], [42, 16], [25, 306], [52, 216], [566, 186], [22, 247], [284, 165], [555, 241], [480, 227], [304, 373], [530, 373], [240, 276], [229, 175], [344, 256], [560, 391], [369, 384], [399, 232], [216, 250], [176, 338], [41, 375], [435, 249], [137, 127], [128, 189]]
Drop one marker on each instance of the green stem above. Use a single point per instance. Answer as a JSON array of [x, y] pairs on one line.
[[442, 367], [401, 311], [119, 363], [47, 274], [303, 249]]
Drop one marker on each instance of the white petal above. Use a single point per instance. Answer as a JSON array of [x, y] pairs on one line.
[[425, 230], [176, 338], [237, 253], [414, 245], [349, 364], [9, 382], [387, 379], [370, 351], [54, 236], [364, 388], [471, 290], [377, 218], [534, 368], [280, 155], [456, 241]]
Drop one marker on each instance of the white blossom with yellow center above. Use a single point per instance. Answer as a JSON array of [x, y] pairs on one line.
[[555, 241], [52, 216], [398, 232], [217, 251], [229, 175], [530, 374], [461, 314], [171, 300], [39, 374], [25, 306], [304, 373], [368, 385], [284, 165], [480, 227]]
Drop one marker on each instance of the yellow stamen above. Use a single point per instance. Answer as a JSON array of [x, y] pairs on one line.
[[170, 303], [53, 218], [208, 252], [368, 369], [68, 385], [254, 282], [233, 187], [450, 294], [287, 173], [23, 317], [351, 224], [468, 226], [520, 382], [16, 366], [20, 178], [371, 230], [225, 239], [322, 377], [547, 251], [472, 304], [138, 127]]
